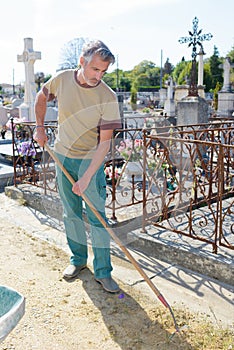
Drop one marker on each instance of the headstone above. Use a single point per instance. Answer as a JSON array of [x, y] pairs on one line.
[[26, 110], [162, 97], [169, 105], [192, 110], [225, 95], [182, 91], [3, 116], [16, 102], [51, 114], [226, 74]]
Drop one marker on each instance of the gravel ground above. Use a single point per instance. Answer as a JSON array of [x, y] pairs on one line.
[[80, 315]]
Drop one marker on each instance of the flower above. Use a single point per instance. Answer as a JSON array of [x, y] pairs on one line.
[[109, 173], [131, 150], [27, 148]]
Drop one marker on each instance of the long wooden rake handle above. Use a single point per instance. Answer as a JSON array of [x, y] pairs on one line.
[[115, 238]]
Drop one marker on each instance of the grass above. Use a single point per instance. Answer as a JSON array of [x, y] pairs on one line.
[[197, 331]]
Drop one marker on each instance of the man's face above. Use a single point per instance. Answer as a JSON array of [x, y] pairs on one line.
[[92, 71]]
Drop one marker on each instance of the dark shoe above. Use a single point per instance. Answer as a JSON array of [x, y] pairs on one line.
[[108, 284], [72, 271]]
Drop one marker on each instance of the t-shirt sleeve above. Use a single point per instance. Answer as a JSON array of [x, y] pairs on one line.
[[50, 88]]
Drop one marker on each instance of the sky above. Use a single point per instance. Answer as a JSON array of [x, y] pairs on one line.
[[134, 30]]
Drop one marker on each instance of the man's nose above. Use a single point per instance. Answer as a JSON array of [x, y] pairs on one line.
[[99, 75]]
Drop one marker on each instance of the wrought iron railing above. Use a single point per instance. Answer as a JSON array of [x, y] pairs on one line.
[[173, 177]]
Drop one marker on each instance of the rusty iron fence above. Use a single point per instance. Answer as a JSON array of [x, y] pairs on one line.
[[32, 165], [178, 178]]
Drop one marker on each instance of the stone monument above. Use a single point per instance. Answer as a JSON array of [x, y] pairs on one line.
[[169, 105], [193, 109], [200, 86], [29, 56], [225, 95]]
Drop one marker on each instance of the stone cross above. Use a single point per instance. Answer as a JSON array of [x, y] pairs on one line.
[[170, 89], [28, 58], [227, 65]]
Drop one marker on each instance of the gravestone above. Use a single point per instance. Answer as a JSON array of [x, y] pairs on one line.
[[51, 114], [169, 106], [3, 116], [162, 97], [225, 95], [29, 56], [192, 110], [16, 102]]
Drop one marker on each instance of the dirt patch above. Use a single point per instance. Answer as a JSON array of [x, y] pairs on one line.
[[79, 315]]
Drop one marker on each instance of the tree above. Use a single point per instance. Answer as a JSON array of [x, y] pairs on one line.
[[110, 79], [133, 98], [215, 98], [39, 79], [146, 74], [231, 55], [168, 67], [70, 53], [207, 77], [181, 73], [143, 67], [215, 70]]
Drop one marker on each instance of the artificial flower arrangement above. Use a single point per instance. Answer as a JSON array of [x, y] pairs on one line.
[[27, 148], [131, 150], [110, 173]]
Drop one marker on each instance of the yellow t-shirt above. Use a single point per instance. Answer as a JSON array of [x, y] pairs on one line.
[[82, 112]]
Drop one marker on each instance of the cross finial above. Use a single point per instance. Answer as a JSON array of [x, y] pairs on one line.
[[195, 39]]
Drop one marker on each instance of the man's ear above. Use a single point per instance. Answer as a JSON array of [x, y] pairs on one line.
[[82, 60]]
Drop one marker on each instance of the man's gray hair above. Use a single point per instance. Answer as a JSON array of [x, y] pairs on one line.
[[97, 48]]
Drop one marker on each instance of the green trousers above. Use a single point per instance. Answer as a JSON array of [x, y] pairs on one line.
[[74, 210]]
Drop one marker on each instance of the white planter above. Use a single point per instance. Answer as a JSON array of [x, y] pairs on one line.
[[134, 168]]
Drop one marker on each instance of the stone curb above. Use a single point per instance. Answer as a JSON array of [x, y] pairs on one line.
[[187, 255]]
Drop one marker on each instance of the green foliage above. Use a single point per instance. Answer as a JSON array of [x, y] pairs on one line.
[[215, 97], [47, 77], [207, 77], [124, 80], [215, 69], [146, 74], [231, 54], [110, 79], [181, 72], [168, 67], [133, 98]]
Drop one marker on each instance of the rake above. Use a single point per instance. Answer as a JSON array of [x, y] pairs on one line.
[[117, 240]]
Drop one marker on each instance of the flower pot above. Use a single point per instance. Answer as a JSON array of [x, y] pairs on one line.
[[134, 168]]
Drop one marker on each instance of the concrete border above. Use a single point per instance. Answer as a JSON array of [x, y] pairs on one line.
[[185, 253]]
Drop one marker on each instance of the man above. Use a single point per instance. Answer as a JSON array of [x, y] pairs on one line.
[[87, 115]]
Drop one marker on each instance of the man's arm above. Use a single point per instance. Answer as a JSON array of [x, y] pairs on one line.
[[40, 112], [104, 145]]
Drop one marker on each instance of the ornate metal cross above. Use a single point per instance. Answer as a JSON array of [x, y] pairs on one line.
[[194, 39]]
